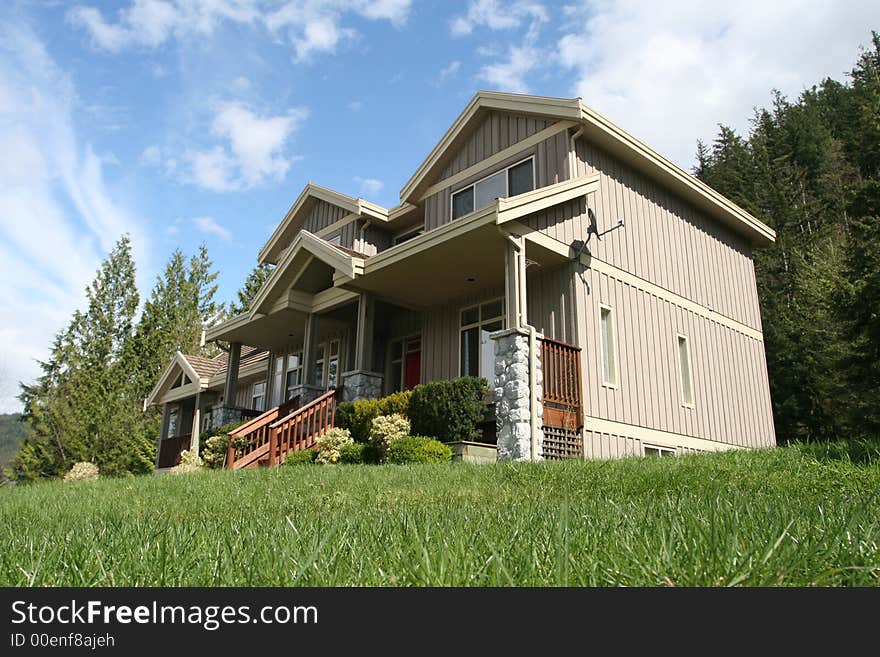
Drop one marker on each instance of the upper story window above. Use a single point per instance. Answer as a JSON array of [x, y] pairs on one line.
[[515, 179], [407, 235]]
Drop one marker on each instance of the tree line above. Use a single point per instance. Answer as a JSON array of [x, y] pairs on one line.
[[810, 168]]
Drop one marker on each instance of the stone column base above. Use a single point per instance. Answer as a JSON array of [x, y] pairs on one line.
[[361, 384], [512, 396], [307, 393]]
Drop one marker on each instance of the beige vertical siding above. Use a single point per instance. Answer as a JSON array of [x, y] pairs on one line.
[[351, 235], [664, 240], [321, 215], [499, 130], [730, 388], [551, 302]]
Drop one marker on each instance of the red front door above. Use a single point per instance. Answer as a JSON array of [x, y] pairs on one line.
[[412, 364]]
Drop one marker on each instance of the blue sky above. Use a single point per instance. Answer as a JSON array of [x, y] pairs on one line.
[[186, 122]]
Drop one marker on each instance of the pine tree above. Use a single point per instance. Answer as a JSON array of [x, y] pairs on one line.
[[252, 285]]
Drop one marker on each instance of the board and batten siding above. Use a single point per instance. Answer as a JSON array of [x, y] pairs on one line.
[[664, 240], [728, 370], [321, 215], [497, 132]]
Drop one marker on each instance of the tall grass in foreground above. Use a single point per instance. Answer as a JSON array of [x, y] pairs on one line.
[[788, 516]]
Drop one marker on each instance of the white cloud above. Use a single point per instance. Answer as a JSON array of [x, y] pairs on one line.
[[670, 71], [58, 216], [497, 15], [369, 186], [450, 71], [209, 225], [355, 105], [151, 156], [311, 26], [253, 153], [510, 75]]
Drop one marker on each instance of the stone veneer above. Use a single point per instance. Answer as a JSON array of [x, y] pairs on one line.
[[361, 384], [512, 413], [306, 393]]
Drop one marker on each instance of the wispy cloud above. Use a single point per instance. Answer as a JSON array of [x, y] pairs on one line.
[[450, 71], [369, 186], [310, 26], [210, 226], [58, 215], [497, 15]]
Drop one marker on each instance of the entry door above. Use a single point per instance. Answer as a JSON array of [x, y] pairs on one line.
[[412, 363]]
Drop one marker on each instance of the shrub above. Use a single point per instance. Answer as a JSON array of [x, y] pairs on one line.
[[83, 471], [301, 457], [329, 444], [449, 410], [352, 453], [357, 416], [386, 428], [418, 449], [214, 450], [189, 462]]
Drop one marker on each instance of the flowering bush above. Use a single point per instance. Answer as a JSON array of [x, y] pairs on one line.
[[189, 462], [301, 457], [83, 472], [215, 450], [386, 428], [329, 444]]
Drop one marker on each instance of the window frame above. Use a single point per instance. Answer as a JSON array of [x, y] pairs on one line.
[[407, 234], [478, 325], [474, 184], [288, 369], [261, 396], [614, 369], [662, 450], [679, 338]]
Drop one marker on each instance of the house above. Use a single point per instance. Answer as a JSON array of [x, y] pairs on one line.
[[191, 392], [607, 295]]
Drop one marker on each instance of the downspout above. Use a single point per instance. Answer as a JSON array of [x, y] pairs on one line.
[[364, 226], [572, 153], [521, 318]]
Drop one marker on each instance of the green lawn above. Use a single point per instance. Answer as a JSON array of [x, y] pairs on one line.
[[790, 516]]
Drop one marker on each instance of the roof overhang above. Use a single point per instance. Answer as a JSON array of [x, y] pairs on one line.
[[357, 207], [160, 391], [600, 131]]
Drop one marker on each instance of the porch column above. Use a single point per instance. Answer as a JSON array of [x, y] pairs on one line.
[[515, 282], [163, 431], [232, 364], [310, 349], [196, 425], [363, 355]]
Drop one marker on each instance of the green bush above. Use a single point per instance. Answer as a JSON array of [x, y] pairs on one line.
[[449, 410], [386, 428], [214, 451], [357, 416], [418, 449], [329, 444], [301, 457], [352, 453]]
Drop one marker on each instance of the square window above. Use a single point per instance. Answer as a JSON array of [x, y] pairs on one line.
[[463, 203], [521, 178]]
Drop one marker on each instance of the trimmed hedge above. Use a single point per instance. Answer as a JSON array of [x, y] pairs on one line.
[[357, 416], [355, 453], [449, 410], [301, 457], [418, 449]]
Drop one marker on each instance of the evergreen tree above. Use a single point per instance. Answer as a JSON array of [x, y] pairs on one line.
[[251, 287]]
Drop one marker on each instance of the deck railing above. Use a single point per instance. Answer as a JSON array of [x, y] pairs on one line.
[[268, 438], [562, 399]]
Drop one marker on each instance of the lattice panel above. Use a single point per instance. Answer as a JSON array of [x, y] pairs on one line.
[[562, 443]]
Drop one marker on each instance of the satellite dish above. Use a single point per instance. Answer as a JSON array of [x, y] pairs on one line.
[[594, 228]]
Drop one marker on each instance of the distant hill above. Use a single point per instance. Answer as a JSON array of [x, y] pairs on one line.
[[11, 431]]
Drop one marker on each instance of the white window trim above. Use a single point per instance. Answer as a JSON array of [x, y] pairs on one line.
[[480, 321], [613, 385], [494, 173], [255, 396], [659, 448], [690, 366]]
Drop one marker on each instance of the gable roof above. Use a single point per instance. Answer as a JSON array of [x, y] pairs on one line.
[[276, 243], [199, 370], [600, 131]]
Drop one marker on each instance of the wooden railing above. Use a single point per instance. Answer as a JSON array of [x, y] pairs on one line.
[[562, 399], [268, 438], [170, 450]]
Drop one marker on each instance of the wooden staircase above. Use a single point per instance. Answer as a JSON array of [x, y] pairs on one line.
[[269, 438]]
